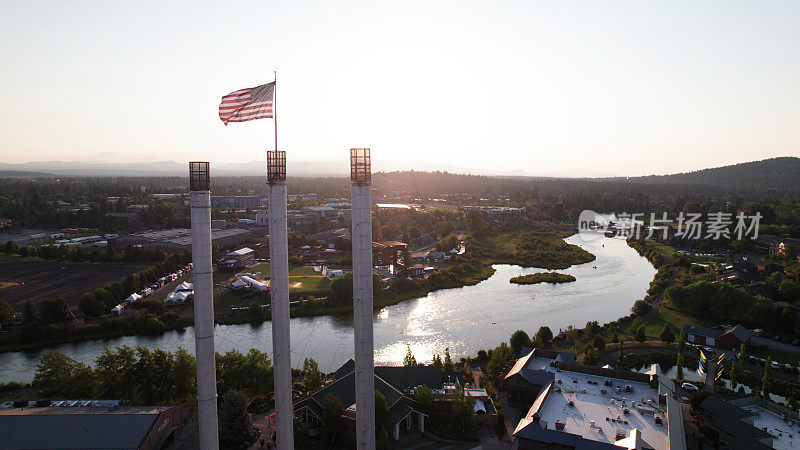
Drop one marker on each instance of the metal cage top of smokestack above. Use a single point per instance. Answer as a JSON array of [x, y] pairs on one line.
[[360, 170], [199, 178], [276, 165]]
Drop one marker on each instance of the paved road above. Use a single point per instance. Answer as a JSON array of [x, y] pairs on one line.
[[762, 341]]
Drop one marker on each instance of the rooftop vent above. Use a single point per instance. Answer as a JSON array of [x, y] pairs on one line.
[[560, 424]]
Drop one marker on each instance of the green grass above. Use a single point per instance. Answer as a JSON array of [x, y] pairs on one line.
[[662, 249], [675, 319]]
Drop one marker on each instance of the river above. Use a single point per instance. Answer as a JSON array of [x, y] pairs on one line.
[[464, 319]]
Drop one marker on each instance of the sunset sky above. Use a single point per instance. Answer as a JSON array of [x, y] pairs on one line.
[[623, 88]]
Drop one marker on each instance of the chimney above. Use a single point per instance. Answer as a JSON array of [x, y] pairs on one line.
[[200, 205], [279, 293], [361, 215]]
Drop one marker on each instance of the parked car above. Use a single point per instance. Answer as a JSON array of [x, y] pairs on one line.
[[690, 387]]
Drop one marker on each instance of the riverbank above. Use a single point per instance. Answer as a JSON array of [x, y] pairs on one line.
[[526, 248], [464, 319]]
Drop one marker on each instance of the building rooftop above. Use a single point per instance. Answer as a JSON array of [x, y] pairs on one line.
[[76, 428], [593, 407], [784, 435]]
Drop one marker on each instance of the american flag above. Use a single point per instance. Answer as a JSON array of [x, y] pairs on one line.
[[247, 104]]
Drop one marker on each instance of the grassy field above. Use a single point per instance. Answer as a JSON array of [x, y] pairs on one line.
[[534, 248], [675, 319], [303, 281], [662, 249]]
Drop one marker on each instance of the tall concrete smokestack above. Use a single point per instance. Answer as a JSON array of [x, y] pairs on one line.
[[200, 202], [361, 215], [279, 292]]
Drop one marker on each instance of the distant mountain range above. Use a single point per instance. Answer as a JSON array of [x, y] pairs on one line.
[[775, 173]]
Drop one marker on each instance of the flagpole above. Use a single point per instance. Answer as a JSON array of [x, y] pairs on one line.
[[275, 107]]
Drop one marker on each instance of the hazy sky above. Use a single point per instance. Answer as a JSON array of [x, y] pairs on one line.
[[552, 87]]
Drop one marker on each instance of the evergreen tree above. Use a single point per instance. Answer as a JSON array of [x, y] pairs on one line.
[[409, 360], [447, 366], [383, 418], [235, 427], [331, 418], [667, 336], [640, 336], [766, 380], [313, 377]]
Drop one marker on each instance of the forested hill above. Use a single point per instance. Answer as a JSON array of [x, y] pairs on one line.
[[774, 173]]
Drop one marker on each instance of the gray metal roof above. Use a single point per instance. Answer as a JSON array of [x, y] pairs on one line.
[[74, 431]]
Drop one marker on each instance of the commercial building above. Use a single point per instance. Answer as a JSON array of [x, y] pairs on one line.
[[178, 240], [725, 338], [528, 376], [236, 201], [749, 422], [99, 424], [590, 407]]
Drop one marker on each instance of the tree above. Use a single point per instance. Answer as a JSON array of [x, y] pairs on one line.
[[424, 399], [28, 312], [733, 376], [60, 375], [544, 335], [640, 336], [592, 329], [766, 380], [598, 342], [500, 356], [679, 365], [331, 417], [235, 427], [436, 361], [615, 337], [6, 313], [409, 360], [54, 310], [640, 308], [590, 356], [681, 343], [742, 356], [255, 313], [383, 418], [518, 340], [447, 366], [620, 354], [462, 415], [313, 377], [667, 336]]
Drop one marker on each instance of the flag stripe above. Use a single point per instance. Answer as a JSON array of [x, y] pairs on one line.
[[248, 104]]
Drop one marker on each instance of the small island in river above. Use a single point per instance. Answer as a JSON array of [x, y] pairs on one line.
[[543, 277]]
